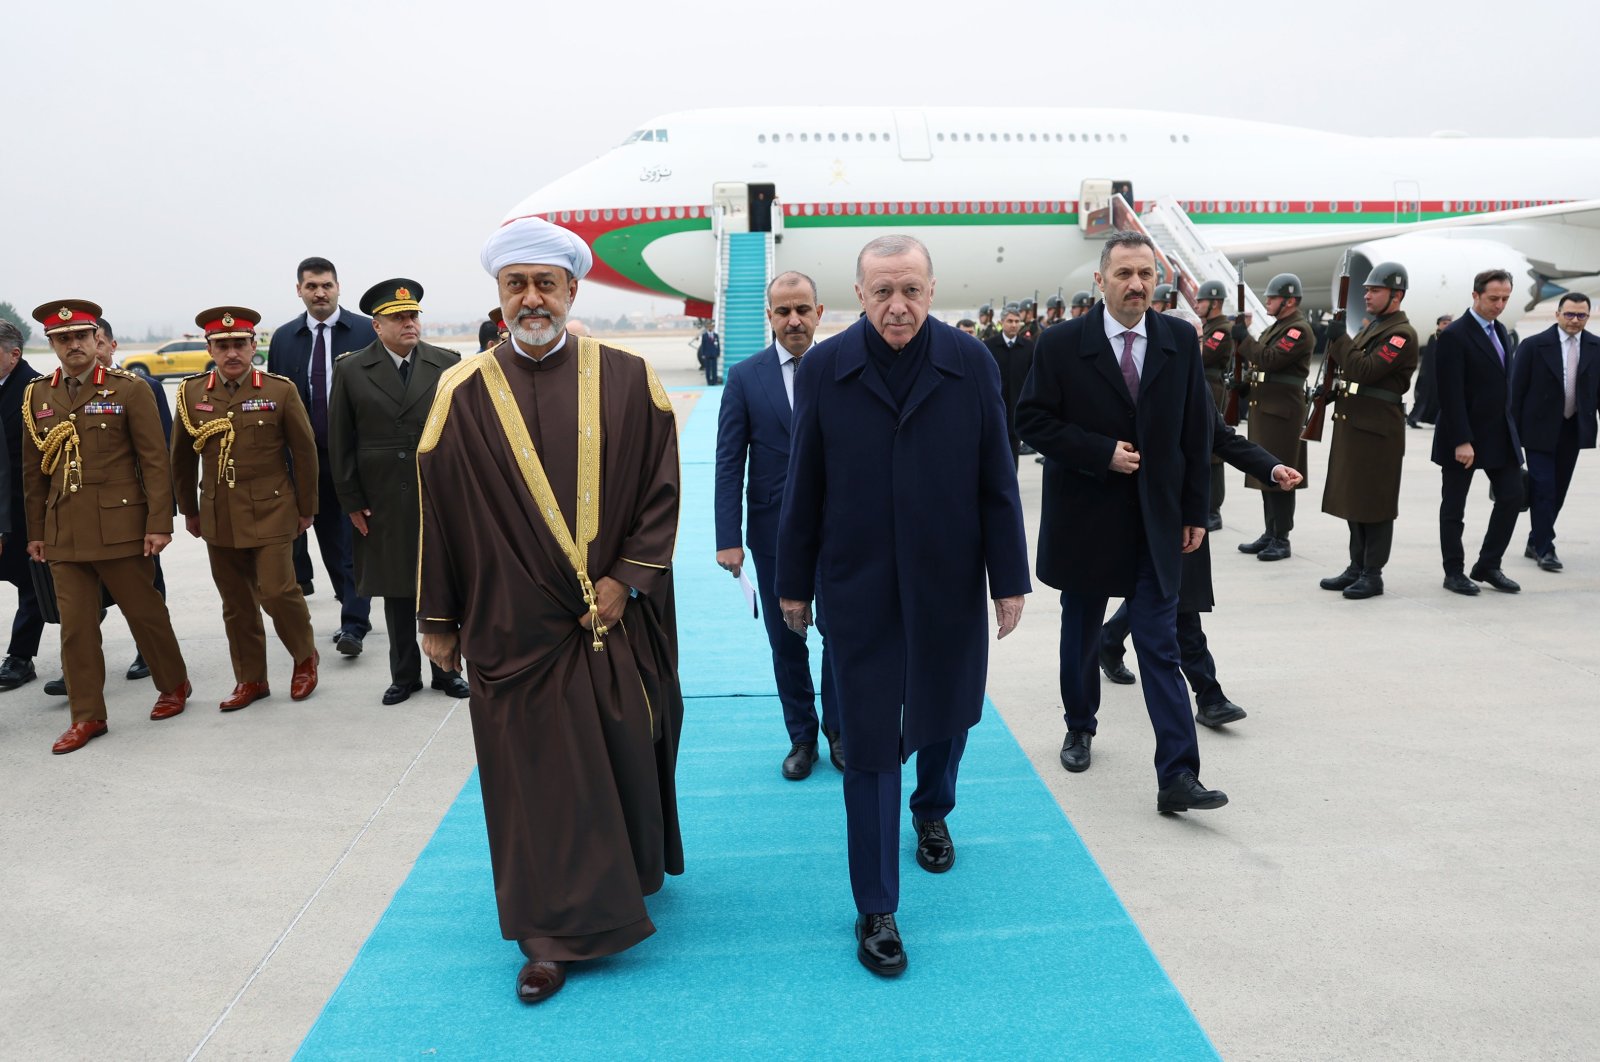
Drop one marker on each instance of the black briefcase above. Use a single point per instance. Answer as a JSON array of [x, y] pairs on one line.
[[44, 585]]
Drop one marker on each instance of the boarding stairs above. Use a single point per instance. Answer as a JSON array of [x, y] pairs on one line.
[[1187, 259], [744, 268]]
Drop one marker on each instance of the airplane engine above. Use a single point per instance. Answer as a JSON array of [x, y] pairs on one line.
[[1441, 267]]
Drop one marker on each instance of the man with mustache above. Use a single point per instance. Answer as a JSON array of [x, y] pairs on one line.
[[380, 401], [546, 562]]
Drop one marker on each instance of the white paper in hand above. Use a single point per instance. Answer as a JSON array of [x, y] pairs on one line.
[[749, 593]]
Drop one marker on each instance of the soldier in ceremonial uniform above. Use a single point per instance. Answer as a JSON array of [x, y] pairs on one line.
[[99, 499], [245, 423], [1030, 320], [1369, 430], [381, 396], [1276, 369], [497, 318], [1055, 309], [1081, 301], [1164, 298], [986, 325], [1216, 354]]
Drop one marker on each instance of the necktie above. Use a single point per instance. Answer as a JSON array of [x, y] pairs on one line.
[[1494, 337], [1130, 372], [1570, 378], [319, 388], [72, 390], [231, 385], [405, 371]]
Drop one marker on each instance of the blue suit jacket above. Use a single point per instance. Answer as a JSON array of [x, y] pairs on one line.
[[754, 422], [289, 353], [1538, 397]]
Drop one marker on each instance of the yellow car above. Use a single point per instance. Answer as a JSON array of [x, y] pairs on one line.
[[180, 357]]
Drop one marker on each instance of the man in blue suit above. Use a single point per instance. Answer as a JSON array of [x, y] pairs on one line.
[[1555, 391], [754, 423], [1119, 406], [304, 350]]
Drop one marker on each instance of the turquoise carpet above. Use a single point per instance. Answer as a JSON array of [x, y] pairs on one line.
[[1021, 951]]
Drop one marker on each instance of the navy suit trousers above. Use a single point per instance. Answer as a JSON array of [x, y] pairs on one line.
[[27, 627], [1153, 622], [791, 661], [333, 541], [1549, 476], [872, 816], [1199, 667], [1506, 481]]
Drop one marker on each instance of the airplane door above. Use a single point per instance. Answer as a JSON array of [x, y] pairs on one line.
[[730, 203], [1407, 201], [761, 197], [911, 133], [1094, 206]]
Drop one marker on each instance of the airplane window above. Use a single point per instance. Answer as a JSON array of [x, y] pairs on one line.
[[762, 139], [1007, 138], [637, 213], [830, 138], [941, 138], [1186, 138], [564, 215], [886, 138], [661, 136], [649, 213], [607, 214], [635, 135], [967, 137], [873, 137], [802, 138], [858, 138], [1124, 138], [1097, 138], [788, 138]]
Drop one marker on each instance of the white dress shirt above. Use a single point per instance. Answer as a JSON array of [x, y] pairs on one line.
[[1141, 342], [396, 358], [788, 364], [327, 350]]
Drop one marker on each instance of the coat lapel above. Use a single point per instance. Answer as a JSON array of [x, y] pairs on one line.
[[943, 360], [427, 366], [379, 367], [1097, 347], [853, 359], [769, 370]]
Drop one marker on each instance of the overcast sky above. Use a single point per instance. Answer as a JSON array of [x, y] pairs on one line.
[[164, 157]]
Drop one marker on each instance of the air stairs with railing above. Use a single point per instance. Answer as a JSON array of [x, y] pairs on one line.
[[744, 268]]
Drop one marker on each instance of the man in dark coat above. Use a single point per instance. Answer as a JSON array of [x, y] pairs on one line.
[[898, 485], [380, 401], [1126, 439], [304, 350], [1425, 396], [754, 424], [549, 476], [1013, 353], [1476, 431], [27, 625], [1555, 390]]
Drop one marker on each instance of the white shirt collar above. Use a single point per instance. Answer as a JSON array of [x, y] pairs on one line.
[[1114, 328], [559, 344], [784, 357], [333, 319], [1483, 324], [397, 359]]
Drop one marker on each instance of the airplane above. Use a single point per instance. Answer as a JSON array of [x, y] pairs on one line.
[[1012, 201]]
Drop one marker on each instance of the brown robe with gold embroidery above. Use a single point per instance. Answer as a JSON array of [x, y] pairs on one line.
[[576, 748]]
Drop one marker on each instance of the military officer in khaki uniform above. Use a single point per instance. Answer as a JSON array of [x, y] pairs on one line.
[[237, 426], [1216, 354], [1369, 430], [380, 402], [99, 498], [1276, 367]]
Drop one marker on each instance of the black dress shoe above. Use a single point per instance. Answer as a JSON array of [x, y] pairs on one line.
[[348, 642], [308, 588], [1457, 583], [1277, 549], [1344, 579], [878, 945], [538, 981], [1497, 579], [1548, 562], [835, 749], [936, 853], [1370, 584], [1111, 663], [452, 684], [56, 687], [797, 764], [138, 669], [15, 671], [1258, 545], [1214, 522], [1219, 714], [400, 692], [1075, 750], [1528, 551], [1411, 422], [1187, 794]]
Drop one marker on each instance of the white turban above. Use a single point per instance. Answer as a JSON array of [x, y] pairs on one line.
[[534, 241]]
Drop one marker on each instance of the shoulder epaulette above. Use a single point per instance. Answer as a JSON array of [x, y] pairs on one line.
[[275, 375], [345, 355], [112, 370]]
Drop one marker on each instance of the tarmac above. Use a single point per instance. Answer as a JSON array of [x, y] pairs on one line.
[[1405, 870]]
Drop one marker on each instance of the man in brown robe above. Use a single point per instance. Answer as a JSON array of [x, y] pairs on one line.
[[549, 483]]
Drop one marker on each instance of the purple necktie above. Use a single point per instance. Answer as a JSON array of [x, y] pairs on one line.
[[1130, 371], [319, 388], [1494, 337]]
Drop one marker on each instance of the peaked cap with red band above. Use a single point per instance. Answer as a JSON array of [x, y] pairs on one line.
[[68, 315], [228, 322]]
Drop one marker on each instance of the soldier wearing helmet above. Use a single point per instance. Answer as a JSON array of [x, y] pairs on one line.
[[986, 325], [1081, 301], [1276, 367], [1055, 308], [1369, 430], [1216, 353], [1164, 298], [1031, 326]]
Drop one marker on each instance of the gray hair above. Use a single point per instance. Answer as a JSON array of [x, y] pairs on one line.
[[891, 247], [791, 276], [10, 336], [1123, 238]]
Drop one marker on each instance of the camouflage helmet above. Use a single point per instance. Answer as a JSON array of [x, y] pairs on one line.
[[1082, 300], [1165, 293], [1213, 289], [1055, 302], [1287, 285], [1391, 275]]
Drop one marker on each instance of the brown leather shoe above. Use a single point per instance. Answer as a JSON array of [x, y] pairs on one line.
[[305, 678], [245, 693], [538, 981], [80, 734], [170, 704]]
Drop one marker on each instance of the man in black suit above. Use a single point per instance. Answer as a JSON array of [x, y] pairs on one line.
[[1118, 405], [1555, 391], [27, 626], [304, 350], [1013, 352], [1475, 430], [1425, 400], [754, 425]]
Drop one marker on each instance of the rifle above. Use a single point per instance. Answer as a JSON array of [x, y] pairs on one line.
[[1318, 411], [1230, 409]]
